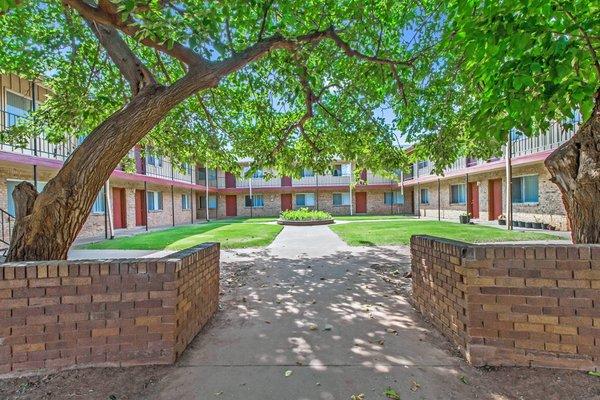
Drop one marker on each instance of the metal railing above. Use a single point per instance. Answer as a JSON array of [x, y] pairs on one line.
[[166, 170], [6, 224], [37, 146]]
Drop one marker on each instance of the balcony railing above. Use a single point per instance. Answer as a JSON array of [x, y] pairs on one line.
[[37, 146], [166, 170]]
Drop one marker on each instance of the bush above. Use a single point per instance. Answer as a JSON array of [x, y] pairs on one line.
[[304, 214]]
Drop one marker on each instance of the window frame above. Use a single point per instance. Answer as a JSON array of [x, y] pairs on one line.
[[525, 203], [426, 197], [452, 202], [8, 114], [187, 204], [254, 198], [314, 200], [343, 195], [395, 194], [100, 199], [157, 201]]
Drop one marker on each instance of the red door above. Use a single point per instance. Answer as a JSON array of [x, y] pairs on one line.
[[286, 201], [229, 180], [140, 208], [495, 199], [119, 208], [473, 200], [231, 205], [361, 202]]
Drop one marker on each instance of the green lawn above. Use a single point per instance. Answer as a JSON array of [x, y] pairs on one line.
[[232, 234], [398, 232], [370, 217]]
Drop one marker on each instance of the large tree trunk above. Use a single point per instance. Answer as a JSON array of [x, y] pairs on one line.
[[575, 169], [46, 224]]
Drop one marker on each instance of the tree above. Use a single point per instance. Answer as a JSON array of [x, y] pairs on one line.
[[289, 84], [518, 65]]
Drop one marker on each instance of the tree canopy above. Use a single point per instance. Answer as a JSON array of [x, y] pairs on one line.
[[316, 94], [505, 65]]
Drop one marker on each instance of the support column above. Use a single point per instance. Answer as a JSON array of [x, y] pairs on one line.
[[467, 193], [173, 204], [206, 192], [439, 196], [509, 208], [146, 203], [35, 138], [111, 228]]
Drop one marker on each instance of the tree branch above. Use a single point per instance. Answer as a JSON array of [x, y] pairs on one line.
[[136, 73], [107, 18]]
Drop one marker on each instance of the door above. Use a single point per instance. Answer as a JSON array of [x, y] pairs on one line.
[[495, 199], [361, 202], [119, 208], [473, 200], [286, 201], [141, 211], [231, 205], [229, 180]]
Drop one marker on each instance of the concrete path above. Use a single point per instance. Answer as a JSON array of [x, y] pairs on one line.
[[312, 318]]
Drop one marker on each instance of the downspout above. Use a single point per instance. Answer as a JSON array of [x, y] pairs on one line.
[[206, 182], [111, 228], [146, 203], [439, 196]]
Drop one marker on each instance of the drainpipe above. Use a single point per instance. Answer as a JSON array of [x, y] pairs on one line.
[[439, 196], [35, 139], [105, 212], [206, 182], [509, 209], [317, 182], [192, 205], [418, 199]]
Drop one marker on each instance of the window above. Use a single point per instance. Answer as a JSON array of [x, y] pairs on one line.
[[17, 107], [154, 160], [393, 198], [525, 189], [212, 202], [98, 207], [258, 174], [155, 201], [10, 187], [212, 174], [341, 170], [185, 202], [423, 164], [424, 196], [341, 199], [186, 168], [305, 199], [307, 173], [257, 200], [516, 135], [458, 194]]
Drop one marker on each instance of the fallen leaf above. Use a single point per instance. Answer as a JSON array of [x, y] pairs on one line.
[[267, 322], [218, 393], [313, 327], [594, 373], [360, 396], [328, 327], [464, 380], [288, 373], [414, 386], [392, 394]]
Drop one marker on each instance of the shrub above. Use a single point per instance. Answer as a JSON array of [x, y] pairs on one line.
[[304, 214]]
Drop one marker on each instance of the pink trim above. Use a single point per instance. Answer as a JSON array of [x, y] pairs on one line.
[[491, 166], [57, 164]]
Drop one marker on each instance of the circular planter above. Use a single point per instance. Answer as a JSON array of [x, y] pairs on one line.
[[305, 223]]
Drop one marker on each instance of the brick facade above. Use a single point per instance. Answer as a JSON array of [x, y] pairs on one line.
[[62, 314], [549, 209], [512, 305]]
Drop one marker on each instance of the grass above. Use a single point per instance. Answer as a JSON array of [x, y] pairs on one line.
[[398, 232], [370, 217], [232, 234]]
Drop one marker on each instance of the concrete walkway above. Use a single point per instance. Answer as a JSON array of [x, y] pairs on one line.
[[312, 318]]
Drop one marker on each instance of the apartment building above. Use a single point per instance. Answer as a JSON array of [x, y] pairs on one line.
[[161, 194]]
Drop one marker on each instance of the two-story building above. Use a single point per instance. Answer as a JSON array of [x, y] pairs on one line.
[[160, 194]]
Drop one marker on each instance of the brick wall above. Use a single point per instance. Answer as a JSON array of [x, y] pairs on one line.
[[549, 209], [512, 304], [61, 314]]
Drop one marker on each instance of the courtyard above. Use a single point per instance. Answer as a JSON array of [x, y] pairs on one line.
[[309, 316]]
